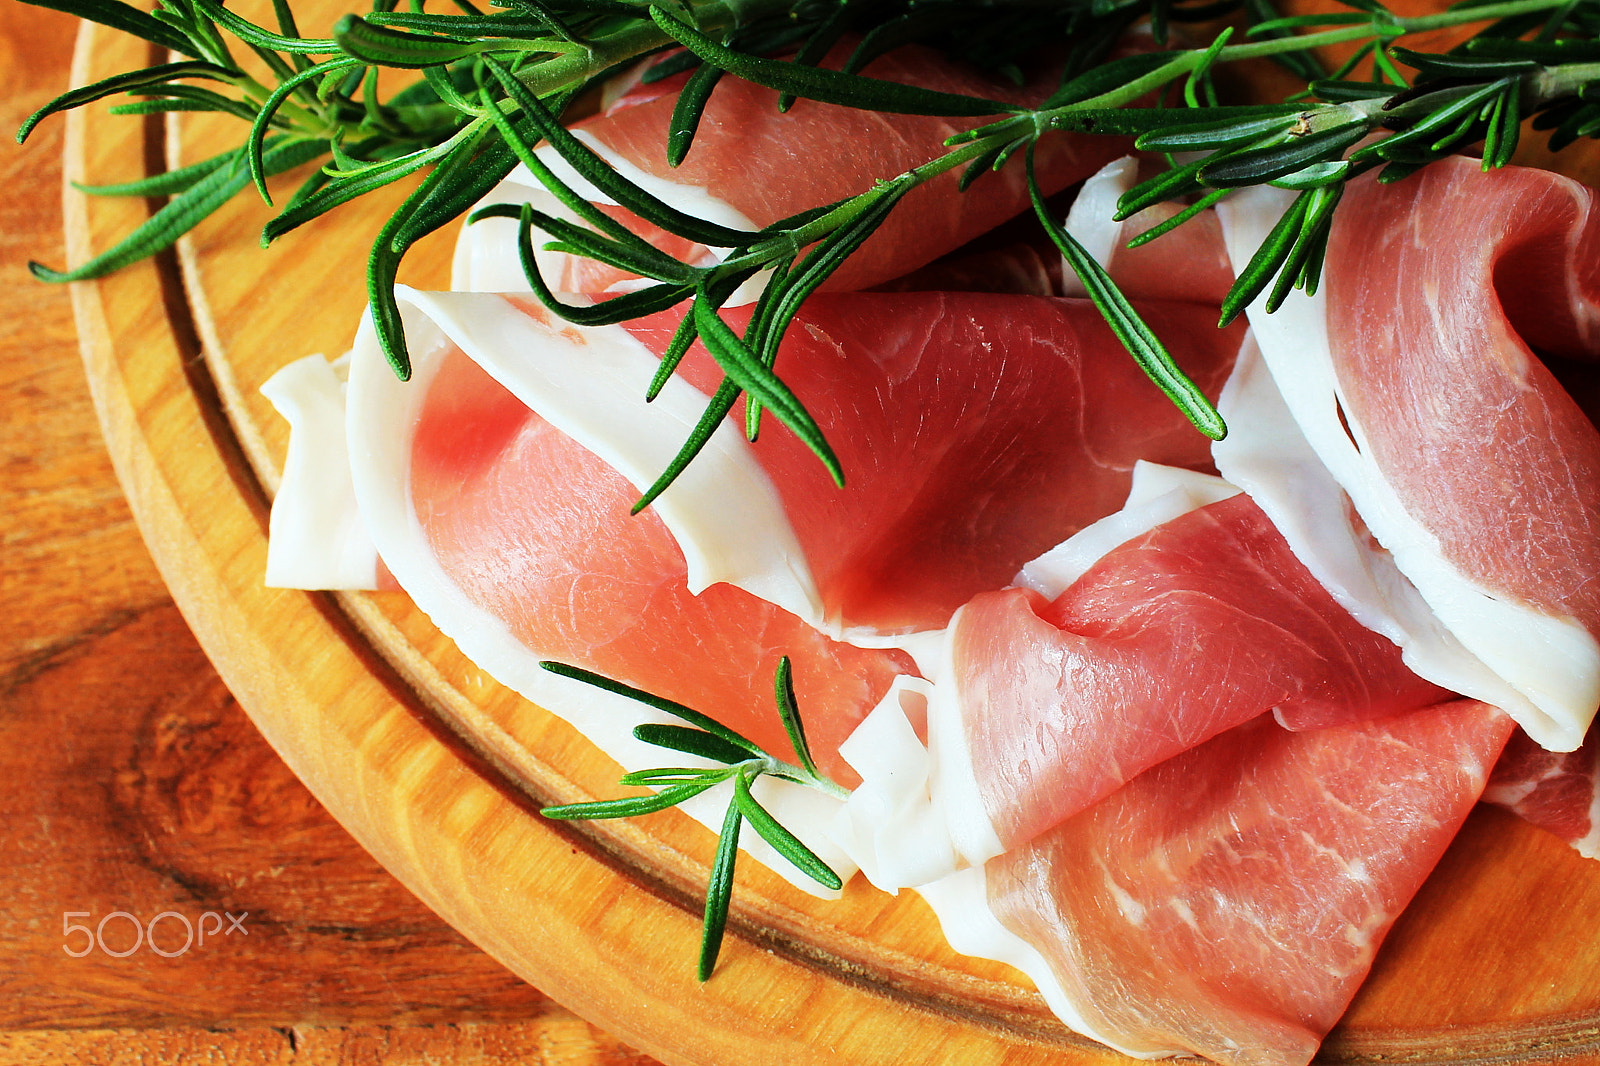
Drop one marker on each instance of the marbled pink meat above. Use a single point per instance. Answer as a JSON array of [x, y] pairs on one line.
[[1191, 629], [1229, 901]]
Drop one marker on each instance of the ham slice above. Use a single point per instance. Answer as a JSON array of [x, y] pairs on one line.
[[1191, 629], [752, 165], [975, 430], [535, 530], [1413, 376], [1556, 791], [1229, 902]]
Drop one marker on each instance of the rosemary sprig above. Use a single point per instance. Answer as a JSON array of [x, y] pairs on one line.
[[743, 762], [493, 84]]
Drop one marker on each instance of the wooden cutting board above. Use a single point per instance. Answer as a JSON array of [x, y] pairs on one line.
[[438, 771]]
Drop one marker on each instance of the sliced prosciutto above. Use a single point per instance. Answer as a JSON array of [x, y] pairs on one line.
[[536, 531], [1558, 791], [1414, 375], [1229, 902], [976, 431], [1195, 627], [752, 165]]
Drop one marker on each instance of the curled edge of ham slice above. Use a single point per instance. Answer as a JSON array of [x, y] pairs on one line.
[[1547, 664], [380, 414], [918, 815]]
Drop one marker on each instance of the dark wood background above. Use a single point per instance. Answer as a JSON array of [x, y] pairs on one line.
[[131, 781]]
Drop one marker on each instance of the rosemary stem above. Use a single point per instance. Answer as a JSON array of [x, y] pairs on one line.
[[572, 68], [1187, 62]]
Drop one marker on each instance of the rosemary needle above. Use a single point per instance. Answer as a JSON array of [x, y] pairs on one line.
[[737, 761]]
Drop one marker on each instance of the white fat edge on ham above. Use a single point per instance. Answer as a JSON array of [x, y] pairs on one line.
[[1548, 667], [583, 398], [316, 537], [917, 815], [486, 257], [1266, 454], [916, 819]]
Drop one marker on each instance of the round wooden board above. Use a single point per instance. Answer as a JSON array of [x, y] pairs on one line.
[[437, 770]]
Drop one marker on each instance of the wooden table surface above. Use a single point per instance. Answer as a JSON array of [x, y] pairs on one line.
[[134, 782]]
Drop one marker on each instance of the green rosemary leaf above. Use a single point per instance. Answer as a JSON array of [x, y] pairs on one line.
[[1269, 256], [127, 18], [1206, 201], [750, 373], [820, 264], [269, 109], [755, 329], [677, 710], [717, 409], [378, 46], [1454, 65], [1164, 186], [682, 338], [570, 199], [608, 312], [464, 178], [976, 169], [1316, 175], [1310, 235], [1550, 53], [1202, 70], [1443, 118], [167, 183], [1339, 92], [686, 112], [180, 214], [789, 711], [1201, 136], [719, 892], [601, 175], [671, 775], [202, 99], [1140, 341], [497, 24], [783, 842], [1097, 81], [342, 188], [168, 105], [1253, 167], [828, 86], [632, 806], [250, 33], [691, 741], [635, 256], [132, 81], [816, 47]]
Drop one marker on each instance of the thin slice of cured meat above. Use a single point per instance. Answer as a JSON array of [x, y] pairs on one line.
[[1229, 902], [1414, 374], [1203, 623], [1556, 791], [976, 431], [752, 165], [536, 530]]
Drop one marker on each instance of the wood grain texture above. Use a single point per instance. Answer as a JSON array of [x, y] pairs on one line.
[[435, 768], [133, 780]]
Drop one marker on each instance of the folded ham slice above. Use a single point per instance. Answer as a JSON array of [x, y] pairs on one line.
[[1229, 902], [1203, 623], [1413, 375], [752, 165]]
